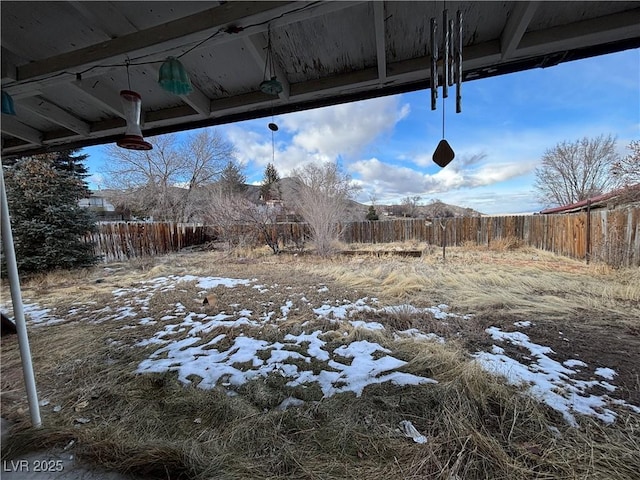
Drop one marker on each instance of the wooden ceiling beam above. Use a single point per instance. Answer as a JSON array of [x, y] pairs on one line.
[[601, 30], [380, 32], [516, 26], [104, 16], [251, 17], [11, 126], [187, 29], [102, 95], [53, 113]]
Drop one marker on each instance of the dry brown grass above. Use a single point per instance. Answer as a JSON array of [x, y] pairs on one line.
[[522, 282], [477, 426]]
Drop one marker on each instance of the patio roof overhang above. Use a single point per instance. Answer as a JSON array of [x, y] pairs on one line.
[[63, 63]]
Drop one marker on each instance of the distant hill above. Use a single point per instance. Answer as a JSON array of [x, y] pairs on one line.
[[355, 211], [432, 210]]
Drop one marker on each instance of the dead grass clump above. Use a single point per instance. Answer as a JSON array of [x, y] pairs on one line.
[[58, 278], [143, 263], [505, 244]]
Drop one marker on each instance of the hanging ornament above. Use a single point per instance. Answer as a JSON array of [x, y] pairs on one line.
[[443, 154], [174, 78], [7, 104], [271, 86], [132, 106]]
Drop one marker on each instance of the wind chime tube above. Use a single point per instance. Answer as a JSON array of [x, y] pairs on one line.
[[452, 55], [434, 65], [445, 55], [459, 63]]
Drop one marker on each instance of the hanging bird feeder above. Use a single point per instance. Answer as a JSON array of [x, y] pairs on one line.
[[132, 106], [174, 78]]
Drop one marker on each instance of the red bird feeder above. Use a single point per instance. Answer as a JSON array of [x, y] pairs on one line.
[[132, 106]]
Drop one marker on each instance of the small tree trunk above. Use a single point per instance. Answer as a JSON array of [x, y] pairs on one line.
[[443, 225]]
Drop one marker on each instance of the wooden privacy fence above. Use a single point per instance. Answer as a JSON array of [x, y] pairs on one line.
[[611, 236], [126, 240]]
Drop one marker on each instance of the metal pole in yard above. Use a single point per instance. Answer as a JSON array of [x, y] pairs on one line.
[[18, 309], [588, 246]]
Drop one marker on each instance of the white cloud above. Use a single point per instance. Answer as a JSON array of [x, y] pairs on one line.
[[250, 146], [344, 129], [320, 135], [388, 181]]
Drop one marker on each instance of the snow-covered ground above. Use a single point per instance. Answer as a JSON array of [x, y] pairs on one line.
[[228, 361], [550, 381]]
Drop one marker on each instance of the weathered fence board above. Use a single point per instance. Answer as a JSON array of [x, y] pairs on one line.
[[126, 240]]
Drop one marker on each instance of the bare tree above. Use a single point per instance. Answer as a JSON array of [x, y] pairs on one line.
[[164, 182], [410, 205], [238, 221], [627, 169], [320, 194], [571, 172]]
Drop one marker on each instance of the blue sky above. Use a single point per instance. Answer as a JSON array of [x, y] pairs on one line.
[[506, 125]]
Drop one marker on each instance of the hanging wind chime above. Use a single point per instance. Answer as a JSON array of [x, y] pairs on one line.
[[271, 87], [132, 107], [451, 62]]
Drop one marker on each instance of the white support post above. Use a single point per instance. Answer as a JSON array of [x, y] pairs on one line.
[[18, 310]]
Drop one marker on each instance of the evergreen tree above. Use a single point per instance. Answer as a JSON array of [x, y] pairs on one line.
[[68, 161], [271, 178], [47, 222], [232, 180], [372, 215]]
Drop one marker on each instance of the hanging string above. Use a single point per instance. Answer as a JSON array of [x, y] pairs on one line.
[[273, 147], [273, 144], [268, 59], [127, 62], [443, 102]]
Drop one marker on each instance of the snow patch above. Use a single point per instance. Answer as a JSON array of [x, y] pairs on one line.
[[548, 380]]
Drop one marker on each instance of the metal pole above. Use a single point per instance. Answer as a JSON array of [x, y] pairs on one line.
[[588, 246], [18, 310]]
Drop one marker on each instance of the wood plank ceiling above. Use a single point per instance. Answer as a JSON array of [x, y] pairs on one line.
[[63, 63]]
